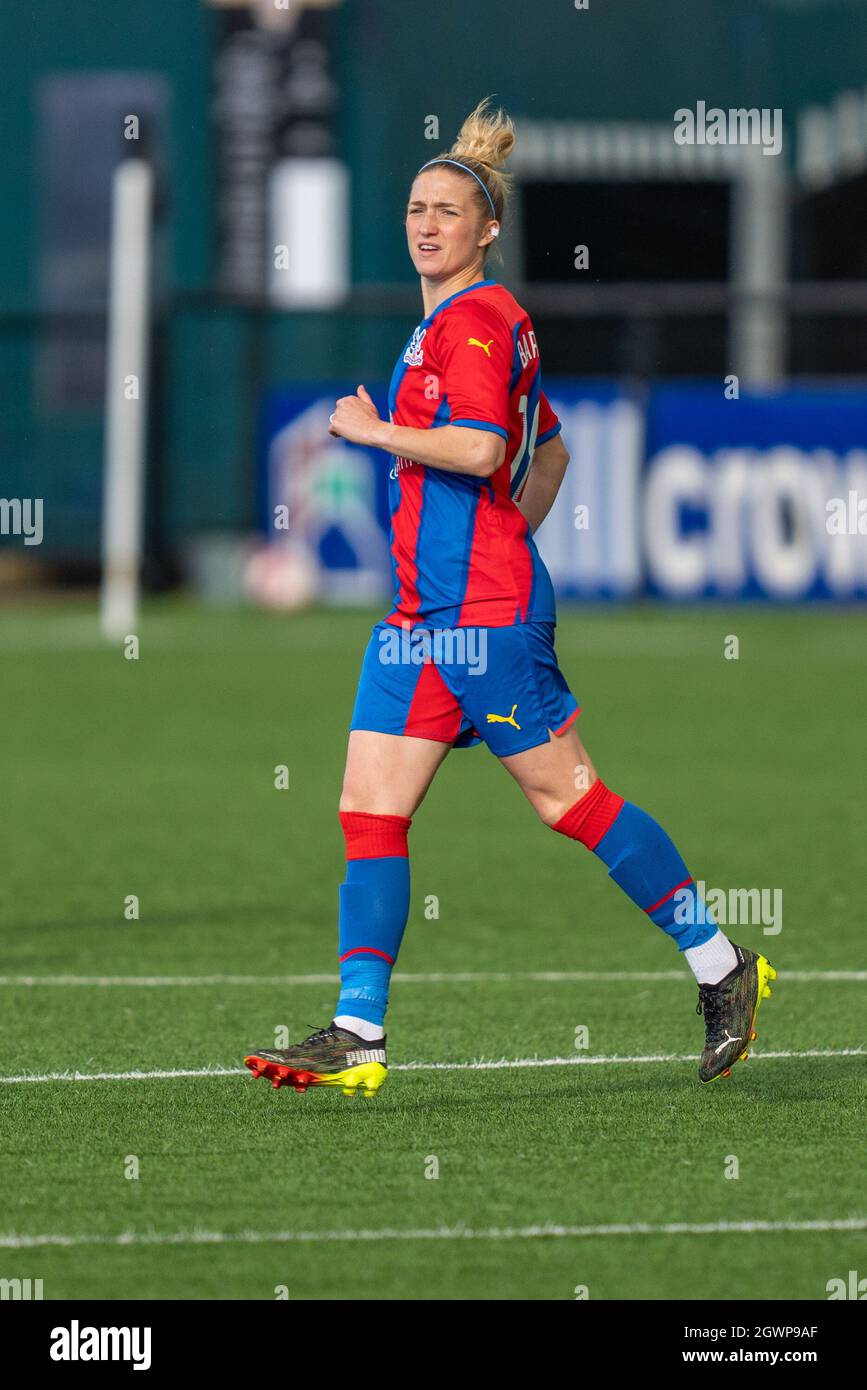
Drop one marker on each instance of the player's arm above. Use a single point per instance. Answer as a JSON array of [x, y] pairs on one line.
[[543, 482], [471, 361], [455, 448]]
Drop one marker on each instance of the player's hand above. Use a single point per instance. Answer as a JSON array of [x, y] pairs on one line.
[[355, 418]]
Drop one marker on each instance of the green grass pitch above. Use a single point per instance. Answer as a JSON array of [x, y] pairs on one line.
[[155, 778]]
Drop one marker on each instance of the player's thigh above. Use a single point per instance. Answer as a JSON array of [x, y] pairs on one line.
[[389, 774], [553, 775]]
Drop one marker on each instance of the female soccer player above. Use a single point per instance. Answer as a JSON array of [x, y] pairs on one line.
[[467, 653]]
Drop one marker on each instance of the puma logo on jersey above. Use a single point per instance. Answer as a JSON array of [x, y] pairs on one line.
[[725, 1043], [486, 347], [367, 1054], [504, 718]]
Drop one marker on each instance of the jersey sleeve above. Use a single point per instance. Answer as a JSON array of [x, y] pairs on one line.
[[549, 424], [475, 352]]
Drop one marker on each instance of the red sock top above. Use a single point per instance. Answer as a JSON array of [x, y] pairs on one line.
[[375, 837], [590, 818]]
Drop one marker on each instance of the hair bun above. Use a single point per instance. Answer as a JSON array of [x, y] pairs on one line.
[[486, 137]]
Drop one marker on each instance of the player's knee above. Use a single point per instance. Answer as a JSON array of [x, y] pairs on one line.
[[366, 791], [351, 800], [551, 809], [365, 801], [549, 812], [359, 791]]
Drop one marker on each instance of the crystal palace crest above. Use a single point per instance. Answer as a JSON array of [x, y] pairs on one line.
[[414, 356]]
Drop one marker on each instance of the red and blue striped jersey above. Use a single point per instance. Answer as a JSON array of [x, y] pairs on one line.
[[462, 553]]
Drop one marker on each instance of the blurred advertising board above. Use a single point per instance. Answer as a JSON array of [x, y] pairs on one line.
[[677, 492], [756, 497], [322, 506]]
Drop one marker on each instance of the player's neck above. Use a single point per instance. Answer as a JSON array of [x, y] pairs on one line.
[[436, 292]]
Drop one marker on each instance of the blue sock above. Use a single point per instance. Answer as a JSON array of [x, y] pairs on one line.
[[643, 861], [374, 906]]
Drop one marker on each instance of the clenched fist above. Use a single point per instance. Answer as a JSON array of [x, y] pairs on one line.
[[355, 418]]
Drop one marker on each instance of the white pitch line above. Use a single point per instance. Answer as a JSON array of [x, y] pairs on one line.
[[500, 1064], [166, 1075], [543, 1232], [506, 1062], [408, 978]]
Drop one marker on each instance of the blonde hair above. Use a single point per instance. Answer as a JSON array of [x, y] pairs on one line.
[[484, 143]]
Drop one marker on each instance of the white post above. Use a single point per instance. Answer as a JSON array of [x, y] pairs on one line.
[[309, 222], [126, 397], [759, 269]]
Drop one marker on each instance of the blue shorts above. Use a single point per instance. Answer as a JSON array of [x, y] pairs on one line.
[[464, 685]]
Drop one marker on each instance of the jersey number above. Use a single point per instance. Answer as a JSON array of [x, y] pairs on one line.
[[524, 456]]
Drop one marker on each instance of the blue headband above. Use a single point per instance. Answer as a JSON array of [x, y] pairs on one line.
[[467, 170]]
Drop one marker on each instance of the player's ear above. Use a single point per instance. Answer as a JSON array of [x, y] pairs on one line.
[[491, 234]]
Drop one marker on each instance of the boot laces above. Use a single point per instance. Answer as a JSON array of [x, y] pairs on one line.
[[710, 1004], [320, 1034]]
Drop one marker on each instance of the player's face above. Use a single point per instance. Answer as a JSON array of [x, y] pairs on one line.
[[443, 226]]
